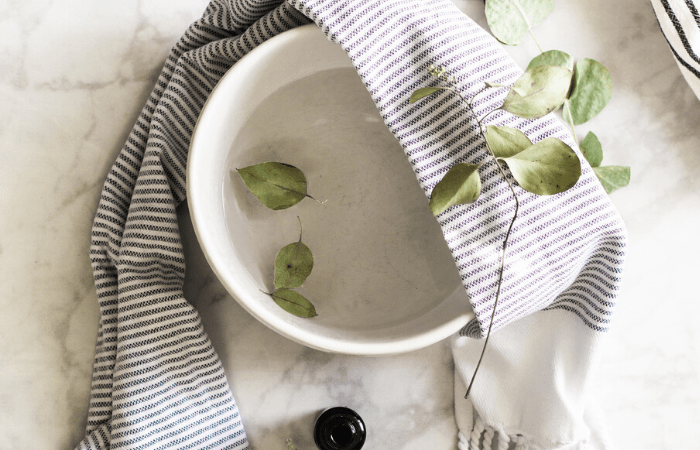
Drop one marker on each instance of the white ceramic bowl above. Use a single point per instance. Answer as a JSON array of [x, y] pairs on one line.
[[383, 281]]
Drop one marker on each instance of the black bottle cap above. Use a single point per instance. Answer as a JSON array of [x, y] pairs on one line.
[[339, 428]]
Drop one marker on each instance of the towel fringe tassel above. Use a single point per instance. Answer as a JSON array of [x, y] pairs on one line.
[[475, 436], [482, 437], [521, 443], [503, 440], [488, 437]]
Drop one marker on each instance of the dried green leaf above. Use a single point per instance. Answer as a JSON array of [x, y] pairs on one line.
[[592, 91], [276, 185], [423, 92], [613, 177], [460, 185], [506, 141], [510, 20], [494, 85], [553, 58], [539, 91], [293, 302], [545, 168], [592, 149], [293, 265]]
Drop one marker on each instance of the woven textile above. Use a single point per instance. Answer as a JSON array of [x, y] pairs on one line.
[[157, 381], [680, 23], [565, 251]]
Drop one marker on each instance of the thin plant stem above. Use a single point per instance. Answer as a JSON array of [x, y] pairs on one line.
[[498, 292], [535, 39], [505, 240], [474, 96], [571, 121], [486, 115]]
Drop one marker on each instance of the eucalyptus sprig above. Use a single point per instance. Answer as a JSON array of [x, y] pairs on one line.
[[591, 86], [547, 167], [277, 185], [293, 264], [280, 186]]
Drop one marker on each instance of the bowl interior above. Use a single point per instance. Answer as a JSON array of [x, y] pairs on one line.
[[383, 280]]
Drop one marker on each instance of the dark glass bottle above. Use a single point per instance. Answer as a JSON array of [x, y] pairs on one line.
[[339, 428]]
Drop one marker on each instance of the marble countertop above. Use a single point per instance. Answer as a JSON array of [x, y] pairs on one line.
[[74, 75]]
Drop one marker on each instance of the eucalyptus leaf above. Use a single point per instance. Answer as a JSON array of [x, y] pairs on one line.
[[613, 177], [294, 303], [276, 185], [460, 185], [506, 141], [510, 20], [293, 265], [592, 149], [423, 92], [545, 168], [539, 91], [553, 58], [592, 91]]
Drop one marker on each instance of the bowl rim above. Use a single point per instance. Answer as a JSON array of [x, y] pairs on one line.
[[297, 334]]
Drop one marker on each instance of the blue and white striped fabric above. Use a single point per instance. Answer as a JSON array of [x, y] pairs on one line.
[[680, 23], [566, 250], [157, 381]]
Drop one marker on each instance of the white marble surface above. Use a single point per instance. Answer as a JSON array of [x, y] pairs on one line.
[[73, 77]]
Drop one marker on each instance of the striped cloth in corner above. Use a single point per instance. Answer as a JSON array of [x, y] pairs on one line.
[[680, 23], [157, 381]]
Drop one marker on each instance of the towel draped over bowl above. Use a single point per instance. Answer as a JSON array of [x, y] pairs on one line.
[[157, 380]]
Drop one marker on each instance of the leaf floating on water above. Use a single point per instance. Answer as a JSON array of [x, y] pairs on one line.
[[460, 185], [553, 58], [510, 20], [592, 149], [613, 177], [423, 92], [592, 91], [276, 185], [294, 303], [506, 141], [539, 91], [545, 168], [293, 265]]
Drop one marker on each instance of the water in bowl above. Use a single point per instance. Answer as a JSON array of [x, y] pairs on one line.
[[379, 255]]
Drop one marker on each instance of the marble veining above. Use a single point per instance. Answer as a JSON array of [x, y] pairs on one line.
[[74, 75]]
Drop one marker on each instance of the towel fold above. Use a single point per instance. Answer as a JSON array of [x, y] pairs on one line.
[[157, 381]]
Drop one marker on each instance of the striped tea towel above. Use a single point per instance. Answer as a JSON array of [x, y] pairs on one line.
[[680, 23], [157, 381]]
